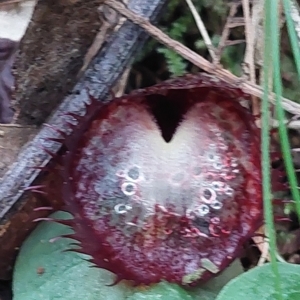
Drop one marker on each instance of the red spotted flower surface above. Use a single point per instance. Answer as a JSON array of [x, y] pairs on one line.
[[165, 183]]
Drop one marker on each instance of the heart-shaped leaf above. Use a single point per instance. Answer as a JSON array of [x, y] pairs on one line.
[[258, 283]]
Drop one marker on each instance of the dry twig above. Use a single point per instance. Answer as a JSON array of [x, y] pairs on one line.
[[119, 89], [249, 55], [8, 3], [262, 244], [226, 31], [196, 59], [110, 20], [202, 30]]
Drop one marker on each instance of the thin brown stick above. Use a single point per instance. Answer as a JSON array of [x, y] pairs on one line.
[[249, 32], [109, 21], [196, 59], [119, 89], [249, 55], [11, 125], [9, 2], [262, 244], [226, 31], [202, 30]]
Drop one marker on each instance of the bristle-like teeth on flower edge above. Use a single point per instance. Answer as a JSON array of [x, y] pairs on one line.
[[257, 234], [50, 153], [282, 219], [36, 189], [39, 192], [43, 208], [281, 202], [57, 140], [41, 168], [43, 219], [70, 125], [116, 281], [68, 223], [74, 116], [62, 133]]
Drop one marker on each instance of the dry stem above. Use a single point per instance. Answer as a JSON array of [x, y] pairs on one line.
[[226, 31], [9, 2], [249, 56], [202, 30], [196, 59]]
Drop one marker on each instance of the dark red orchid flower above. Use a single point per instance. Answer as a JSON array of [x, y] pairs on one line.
[[165, 183]]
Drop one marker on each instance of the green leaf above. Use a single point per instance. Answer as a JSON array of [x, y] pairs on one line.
[[258, 283], [68, 275], [175, 62], [211, 289], [161, 291]]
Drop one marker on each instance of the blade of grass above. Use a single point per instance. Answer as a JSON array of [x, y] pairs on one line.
[[265, 139], [296, 52], [288, 8]]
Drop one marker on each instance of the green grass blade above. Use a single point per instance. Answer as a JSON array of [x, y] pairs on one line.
[[296, 52], [265, 135], [289, 7]]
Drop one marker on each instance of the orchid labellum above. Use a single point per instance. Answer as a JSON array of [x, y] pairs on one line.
[[165, 183]]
